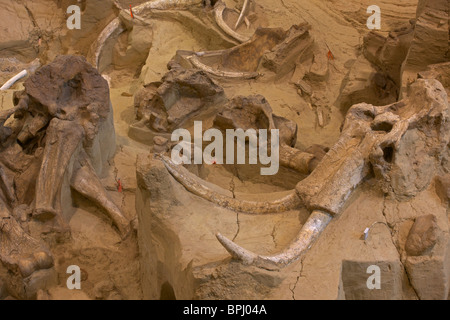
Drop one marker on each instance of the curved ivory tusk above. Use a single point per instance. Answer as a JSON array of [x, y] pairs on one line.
[[225, 74], [243, 13], [8, 84], [194, 185], [309, 233], [220, 7], [114, 27]]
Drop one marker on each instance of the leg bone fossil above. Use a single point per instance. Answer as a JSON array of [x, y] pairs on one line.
[[62, 126]]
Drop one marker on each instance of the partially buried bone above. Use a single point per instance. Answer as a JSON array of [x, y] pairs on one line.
[[19, 252], [67, 122], [197, 186], [115, 27], [254, 112], [222, 73], [218, 10], [243, 13], [86, 182], [370, 137], [245, 113], [63, 140], [31, 68], [310, 231]]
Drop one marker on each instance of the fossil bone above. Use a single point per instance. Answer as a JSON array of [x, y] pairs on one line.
[[198, 187], [86, 182], [312, 229], [367, 131], [72, 125], [219, 9], [368, 137], [222, 73], [243, 13], [296, 159], [20, 252], [8, 84], [244, 113], [65, 138], [115, 26], [31, 68], [164, 5]]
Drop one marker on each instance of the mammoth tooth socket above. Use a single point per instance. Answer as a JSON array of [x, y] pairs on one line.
[[197, 186], [295, 159], [220, 8], [316, 223]]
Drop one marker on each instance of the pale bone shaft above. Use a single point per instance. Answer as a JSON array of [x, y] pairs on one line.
[[86, 182], [63, 139], [243, 13], [311, 230], [8, 84]]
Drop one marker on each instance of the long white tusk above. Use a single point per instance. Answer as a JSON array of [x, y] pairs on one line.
[[316, 223], [8, 84], [219, 9], [197, 186], [243, 13], [220, 73]]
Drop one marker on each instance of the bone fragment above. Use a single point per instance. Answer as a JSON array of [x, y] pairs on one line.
[[220, 7], [247, 22], [320, 117], [164, 5], [220, 73], [295, 159], [243, 13]]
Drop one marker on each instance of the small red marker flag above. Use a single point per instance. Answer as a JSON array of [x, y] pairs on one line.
[[131, 12], [330, 55]]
